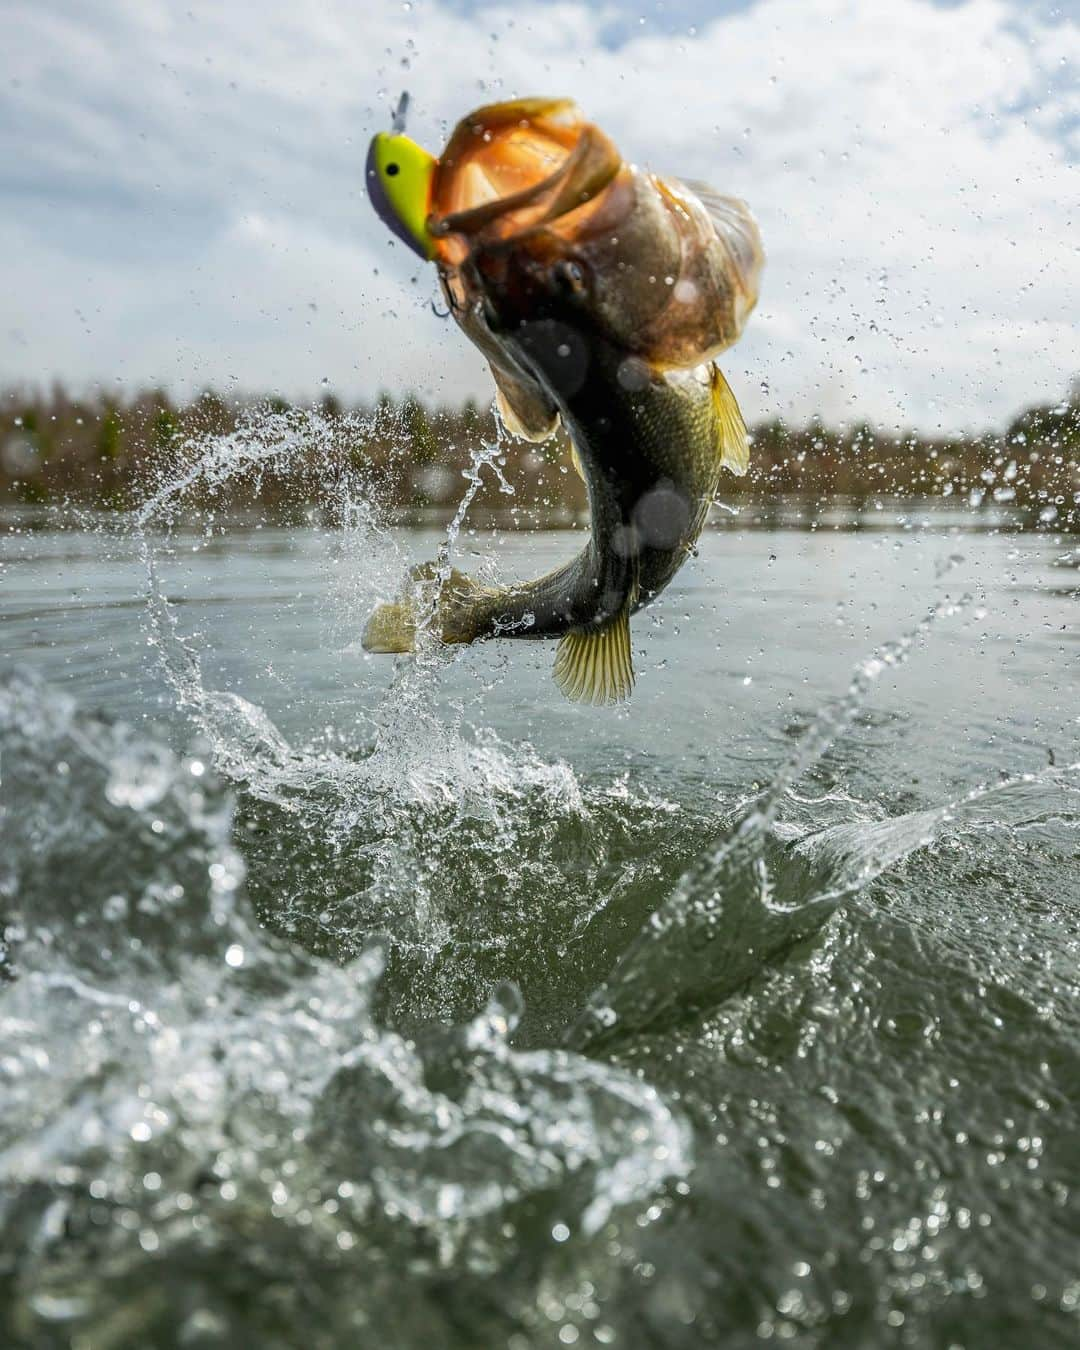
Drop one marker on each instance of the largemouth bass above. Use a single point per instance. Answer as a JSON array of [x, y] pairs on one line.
[[600, 294]]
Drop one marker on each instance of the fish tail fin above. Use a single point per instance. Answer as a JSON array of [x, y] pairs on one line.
[[391, 627], [594, 665], [731, 443], [442, 603]]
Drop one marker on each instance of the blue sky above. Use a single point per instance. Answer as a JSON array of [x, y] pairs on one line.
[[183, 203]]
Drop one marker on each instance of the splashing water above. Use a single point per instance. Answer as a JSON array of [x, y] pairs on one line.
[[176, 1077], [389, 812], [171, 1077], [757, 894], [244, 1033], [754, 885]]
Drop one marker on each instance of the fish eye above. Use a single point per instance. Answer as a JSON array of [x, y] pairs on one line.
[[569, 277], [392, 170]]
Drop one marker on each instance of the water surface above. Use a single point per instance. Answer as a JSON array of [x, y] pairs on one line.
[[349, 997]]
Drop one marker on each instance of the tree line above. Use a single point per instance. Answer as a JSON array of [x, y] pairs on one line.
[[109, 451]]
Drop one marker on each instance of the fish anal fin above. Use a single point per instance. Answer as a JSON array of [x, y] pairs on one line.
[[731, 443], [594, 666]]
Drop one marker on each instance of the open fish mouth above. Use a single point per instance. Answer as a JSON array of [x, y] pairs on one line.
[[665, 269], [513, 167]]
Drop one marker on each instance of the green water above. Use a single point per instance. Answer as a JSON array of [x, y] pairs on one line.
[[631, 1075]]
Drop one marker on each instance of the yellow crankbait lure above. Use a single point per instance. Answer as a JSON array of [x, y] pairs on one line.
[[400, 177]]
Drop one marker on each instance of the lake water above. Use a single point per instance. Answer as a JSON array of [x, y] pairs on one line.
[[362, 1001]]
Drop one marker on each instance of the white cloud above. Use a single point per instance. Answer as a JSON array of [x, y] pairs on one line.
[[182, 197]]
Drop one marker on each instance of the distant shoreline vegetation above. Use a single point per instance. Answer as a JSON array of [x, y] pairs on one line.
[[108, 452]]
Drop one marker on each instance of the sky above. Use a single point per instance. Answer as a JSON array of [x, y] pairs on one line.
[[182, 200]]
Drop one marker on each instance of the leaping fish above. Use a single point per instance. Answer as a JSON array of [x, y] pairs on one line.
[[600, 294]]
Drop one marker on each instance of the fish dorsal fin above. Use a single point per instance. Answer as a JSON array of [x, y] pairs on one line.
[[594, 665], [731, 442]]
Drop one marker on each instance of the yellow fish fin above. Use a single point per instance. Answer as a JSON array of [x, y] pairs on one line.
[[575, 460], [731, 443], [391, 627], [594, 665], [444, 606]]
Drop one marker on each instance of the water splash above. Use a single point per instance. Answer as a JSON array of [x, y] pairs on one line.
[[758, 894], [171, 1077], [209, 1066], [402, 819]]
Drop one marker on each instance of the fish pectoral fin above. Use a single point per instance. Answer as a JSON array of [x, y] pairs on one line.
[[594, 666], [731, 443]]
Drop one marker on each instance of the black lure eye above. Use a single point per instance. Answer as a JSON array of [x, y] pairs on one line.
[[392, 170]]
